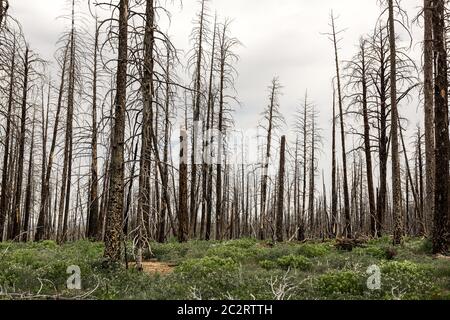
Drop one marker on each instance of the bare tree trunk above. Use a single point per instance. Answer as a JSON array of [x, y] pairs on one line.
[[312, 176], [334, 196], [422, 221], [219, 206], [64, 203], [199, 53], [18, 194], [367, 146], [383, 139], [429, 112], [347, 226], [440, 232], [266, 160], [29, 191], [396, 178], [116, 173], [147, 128], [183, 223], [280, 202], [165, 173], [5, 172], [93, 207], [305, 164], [45, 188]]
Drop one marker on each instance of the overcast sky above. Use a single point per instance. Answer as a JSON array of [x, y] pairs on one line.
[[280, 38]]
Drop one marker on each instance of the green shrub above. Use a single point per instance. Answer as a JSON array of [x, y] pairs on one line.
[[207, 265], [242, 243], [383, 253], [337, 283], [268, 264], [406, 280], [313, 250], [295, 262], [172, 252], [240, 253]]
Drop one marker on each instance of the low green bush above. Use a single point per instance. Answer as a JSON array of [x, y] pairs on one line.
[[268, 264], [206, 266], [406, 280], [381, 252], [314, 250], [295, 262], [340, 284]]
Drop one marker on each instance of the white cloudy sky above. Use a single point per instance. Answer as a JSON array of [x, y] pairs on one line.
[[280, 37]]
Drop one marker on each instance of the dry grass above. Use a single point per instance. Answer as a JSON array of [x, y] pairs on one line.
[[152, 267]]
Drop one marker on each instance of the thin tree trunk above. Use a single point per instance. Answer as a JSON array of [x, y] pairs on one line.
[[18, 194], [396, 178], [93, 208], [429, 112], [114, 217], [347, 226], [45, 189], [29, 191], [5, 172], [280, 202], [440, 232]]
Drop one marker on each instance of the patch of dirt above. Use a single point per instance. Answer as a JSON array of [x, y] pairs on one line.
[[153, 267], [442, 257]]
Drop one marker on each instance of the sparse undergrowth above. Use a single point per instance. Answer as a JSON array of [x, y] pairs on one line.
[[240, 269]]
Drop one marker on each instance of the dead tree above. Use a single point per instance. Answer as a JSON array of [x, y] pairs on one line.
[[280, 197], [347, 226], [93, 206], [396, 178], [28, 190], [225, 58], [359, 80], [16, 220], [273, 117], [205, 232], [199, 38], [440, 232], [44, 213], [64, 203], [183, 218], [4, 199], [116, 173], [334, 196], [428, 61]]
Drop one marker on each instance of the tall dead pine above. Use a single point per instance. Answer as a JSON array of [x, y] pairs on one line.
[[280, 197], [117, 167], [440, 232]]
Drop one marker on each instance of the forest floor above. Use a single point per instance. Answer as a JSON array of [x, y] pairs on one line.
[[240, 269]]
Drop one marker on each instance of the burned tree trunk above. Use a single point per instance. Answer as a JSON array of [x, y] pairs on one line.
[[280, 197], [396, 178], [28, 191], [440, 232], [5, 172], [271, 114], [19, 178], [183, 218], [64, 202], [93, 206], [347, 225], [198, 69], [334, 196], [367, 146], [429, 105], [115, 205]]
